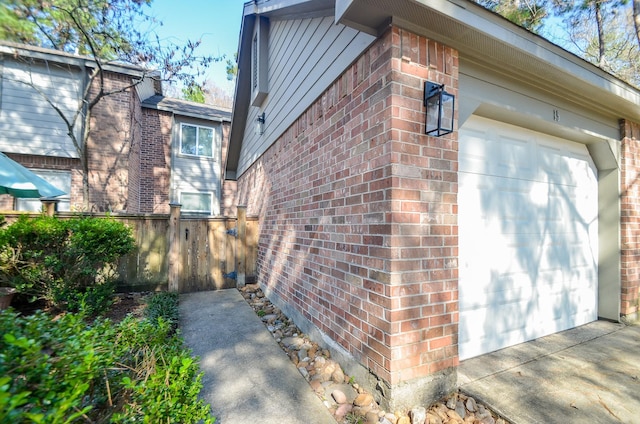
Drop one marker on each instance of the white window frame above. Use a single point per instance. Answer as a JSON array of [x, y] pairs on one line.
[[211, 195], [51, 176], [214, 143]]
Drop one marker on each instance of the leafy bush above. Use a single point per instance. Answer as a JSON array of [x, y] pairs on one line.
[[163, 305], [68, 263], [63, 371]]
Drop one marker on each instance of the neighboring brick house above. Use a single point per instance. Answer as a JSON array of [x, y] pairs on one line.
[[144, 150], [407, 253]]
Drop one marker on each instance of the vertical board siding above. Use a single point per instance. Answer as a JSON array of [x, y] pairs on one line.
[[305, 56], [28, 124], [207, 255]]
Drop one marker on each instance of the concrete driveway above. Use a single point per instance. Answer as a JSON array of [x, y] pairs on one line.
[[589, 374]]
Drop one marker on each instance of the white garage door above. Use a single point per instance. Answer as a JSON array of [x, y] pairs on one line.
[[528, 226]]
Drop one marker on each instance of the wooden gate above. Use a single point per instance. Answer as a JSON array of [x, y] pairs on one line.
[[210, 253], [207, 254]]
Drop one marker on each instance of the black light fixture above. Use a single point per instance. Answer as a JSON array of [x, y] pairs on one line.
[[260, 124], [440, 108]]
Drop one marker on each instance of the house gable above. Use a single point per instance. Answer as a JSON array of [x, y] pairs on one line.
[[305, 54]]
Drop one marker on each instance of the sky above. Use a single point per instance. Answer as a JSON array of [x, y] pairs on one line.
[[215, 22]]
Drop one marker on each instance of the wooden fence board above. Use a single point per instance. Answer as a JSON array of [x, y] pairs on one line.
[[206, 255]]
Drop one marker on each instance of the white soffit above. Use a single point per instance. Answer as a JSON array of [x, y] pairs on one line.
[[484, 36]]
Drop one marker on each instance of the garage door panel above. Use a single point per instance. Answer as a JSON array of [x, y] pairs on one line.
[[477, 151], [514, 158], [528, 236], [507, 199], [491, 288], [509, 326]]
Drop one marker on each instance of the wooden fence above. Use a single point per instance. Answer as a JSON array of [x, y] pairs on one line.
[[183, 254]]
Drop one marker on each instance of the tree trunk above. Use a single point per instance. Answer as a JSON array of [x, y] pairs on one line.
[[636, 18], [84, 159], [601, 48]]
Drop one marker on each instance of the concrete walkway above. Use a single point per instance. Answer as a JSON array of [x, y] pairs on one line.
[[590, 374], [247, 377]]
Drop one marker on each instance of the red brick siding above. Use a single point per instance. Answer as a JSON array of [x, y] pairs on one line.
[[155, 162], [630, 218], [133, 190], [228, 200], [113, 131], [6, 202], [358, 212], [425, 290]]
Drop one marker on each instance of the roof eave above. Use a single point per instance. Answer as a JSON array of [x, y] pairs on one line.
[[43, 54], [477, 33], [484, 36], [186, 114]]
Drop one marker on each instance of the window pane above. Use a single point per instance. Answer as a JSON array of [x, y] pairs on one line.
[[59, 179], [35, 205], [29, 205], [205, 142], [188, 140], [196, 202]]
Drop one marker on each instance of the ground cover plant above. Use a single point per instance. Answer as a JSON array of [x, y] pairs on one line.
[[66, 369], [163, 305]]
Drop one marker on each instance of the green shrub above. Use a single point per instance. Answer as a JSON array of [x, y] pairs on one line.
[[64, 371], [68, 263], [92, 300], [163, 305]]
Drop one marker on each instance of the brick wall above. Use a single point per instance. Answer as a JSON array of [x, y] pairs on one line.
[[155, 162], [358, 226], [228, 199], [6, 202], [113, 131], [630, 218], [134, 173]]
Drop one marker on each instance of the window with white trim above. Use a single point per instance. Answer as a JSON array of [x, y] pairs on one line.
[[196, 140], [196, 202], [60, 180]]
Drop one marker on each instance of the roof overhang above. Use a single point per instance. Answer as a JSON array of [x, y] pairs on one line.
[[186, 108], [488, 39], [68, 59], [479, 35]]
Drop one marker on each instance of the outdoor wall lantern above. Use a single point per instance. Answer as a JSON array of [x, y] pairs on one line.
[[440, 107], [260, 124]]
